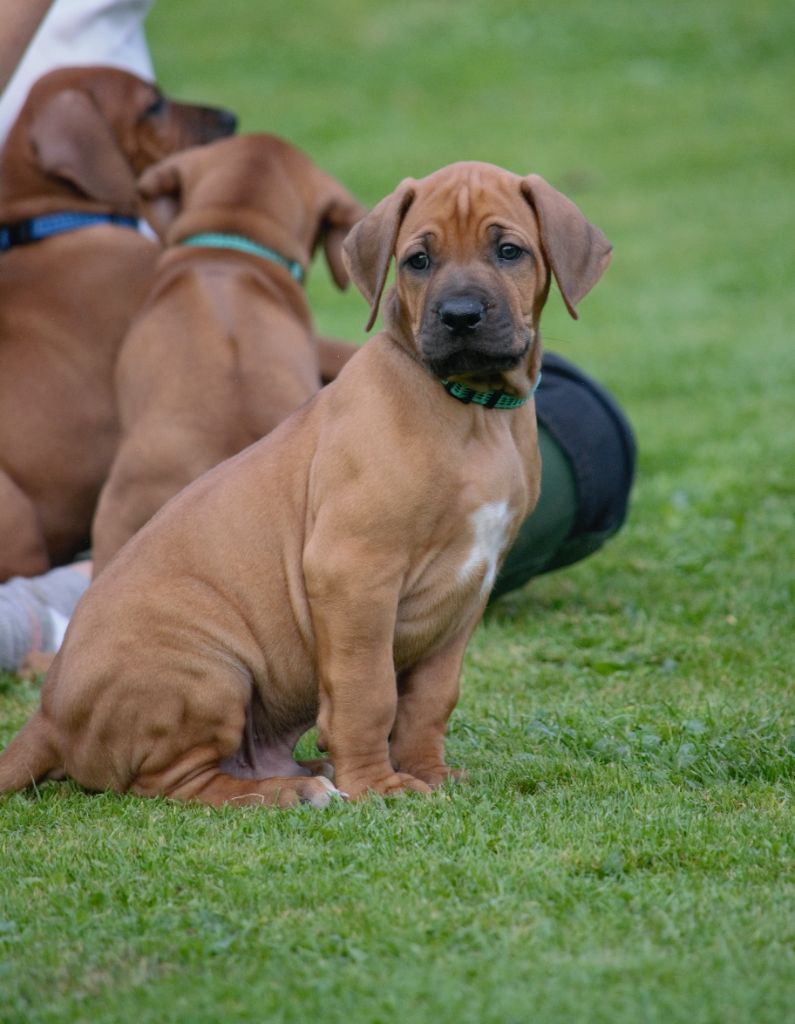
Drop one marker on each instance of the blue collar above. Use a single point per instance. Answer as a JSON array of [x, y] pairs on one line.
[[34, 229], [220, 240]]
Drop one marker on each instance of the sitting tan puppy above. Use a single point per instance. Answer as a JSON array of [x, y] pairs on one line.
[[223, 348], [334, 571]]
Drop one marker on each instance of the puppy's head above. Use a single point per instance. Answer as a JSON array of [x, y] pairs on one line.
[[475, 248], [89, 132], [256, 185]]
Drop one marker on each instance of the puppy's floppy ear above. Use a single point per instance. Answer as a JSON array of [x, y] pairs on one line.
[[74, 141], [368, 249], [160, 190], [339, 216], [577, 252]]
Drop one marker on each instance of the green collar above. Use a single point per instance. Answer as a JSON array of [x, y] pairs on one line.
[[218, 240], [490, 399]]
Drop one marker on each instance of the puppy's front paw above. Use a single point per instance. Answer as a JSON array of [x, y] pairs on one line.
[[436, 775], [394, 784]]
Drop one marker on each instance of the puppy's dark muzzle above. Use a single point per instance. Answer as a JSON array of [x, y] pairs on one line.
[[218, 123], [467, 333], [205, 124]]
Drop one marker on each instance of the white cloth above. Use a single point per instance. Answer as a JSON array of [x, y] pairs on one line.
[[80, 32], [35, 611]]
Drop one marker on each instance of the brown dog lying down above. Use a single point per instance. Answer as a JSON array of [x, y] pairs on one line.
[[334, 571], [223, 348], [76, 149]]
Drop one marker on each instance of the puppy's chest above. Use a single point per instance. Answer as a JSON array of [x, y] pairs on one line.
[[454, 578], [489, 529]]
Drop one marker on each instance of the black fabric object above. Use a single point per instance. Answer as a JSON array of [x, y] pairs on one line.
[[588, 456], [595, 434]]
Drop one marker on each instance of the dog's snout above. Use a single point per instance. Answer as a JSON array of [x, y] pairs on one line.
[[211, 123], [461, 314]]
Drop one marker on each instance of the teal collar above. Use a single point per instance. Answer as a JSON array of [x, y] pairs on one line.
[[489, 399], [219, 240]]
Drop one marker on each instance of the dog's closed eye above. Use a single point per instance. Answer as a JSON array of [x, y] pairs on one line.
[[157, 106]]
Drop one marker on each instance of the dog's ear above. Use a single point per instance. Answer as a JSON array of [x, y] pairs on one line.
[[160, 191], [368, 249], [339, 216], [577, 252], [74, 141]]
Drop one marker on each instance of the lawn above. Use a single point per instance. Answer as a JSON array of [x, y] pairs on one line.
[[625, 848]]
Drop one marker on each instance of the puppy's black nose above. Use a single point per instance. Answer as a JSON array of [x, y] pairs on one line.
[[461, 314]]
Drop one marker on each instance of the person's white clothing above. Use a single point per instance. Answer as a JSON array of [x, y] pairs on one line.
[[80, 32]]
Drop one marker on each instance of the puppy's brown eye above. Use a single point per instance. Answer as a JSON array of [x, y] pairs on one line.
[[419, 261], [508, 251]]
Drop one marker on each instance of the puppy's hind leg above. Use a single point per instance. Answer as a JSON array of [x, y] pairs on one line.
[[223, 752], [212, 771], [209, 785]]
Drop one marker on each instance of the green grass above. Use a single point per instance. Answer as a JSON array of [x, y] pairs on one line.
[[625, 848]]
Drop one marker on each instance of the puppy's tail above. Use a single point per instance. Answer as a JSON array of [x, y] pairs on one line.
[[29, 757]]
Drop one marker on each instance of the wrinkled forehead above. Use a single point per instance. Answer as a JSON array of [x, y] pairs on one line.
[[462, 204]]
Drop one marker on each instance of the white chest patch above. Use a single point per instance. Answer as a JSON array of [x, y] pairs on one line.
[[490, 525]]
